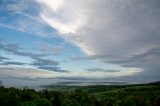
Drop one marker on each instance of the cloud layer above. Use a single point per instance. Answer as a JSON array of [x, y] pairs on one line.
[[124, 33], [37, 60], [127, 32]]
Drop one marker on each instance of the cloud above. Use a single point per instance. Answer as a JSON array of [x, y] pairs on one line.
[[61, 15], [47, 64], [10, 47], [20, 76], [2, 58], [6, 68], [124, 61], [17, 50], [90, 57], [147, 61], [102, 70], [51, 68], [12, 63], [23, 16], [29, 54], [19, 72], [123, 31], [38, 62], [51, 49]]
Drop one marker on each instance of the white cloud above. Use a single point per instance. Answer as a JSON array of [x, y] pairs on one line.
[[54, 5], [20, 77], [23, 16], [106, 27], [19, 72], [124, 29], [66, 16]]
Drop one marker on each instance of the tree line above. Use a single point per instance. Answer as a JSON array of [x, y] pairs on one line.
[[148, 95]]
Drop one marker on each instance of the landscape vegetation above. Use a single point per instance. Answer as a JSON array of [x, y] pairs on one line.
[[79, 52], [95, 95]]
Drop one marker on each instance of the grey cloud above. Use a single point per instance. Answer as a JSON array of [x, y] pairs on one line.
[[4, 68], [151, 56], [12, 63], [147, 61], [17, 50], [25, 78], [124, 33], [10, 47], [56, 69], [47, 64], [90, 57], [102, 70], [119, 32], [118, 26], [3, 58], [18, 78], [29, 54], [51, 49], [68, 78], [39, 62]]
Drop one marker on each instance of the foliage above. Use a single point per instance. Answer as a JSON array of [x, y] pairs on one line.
[[126, 95]]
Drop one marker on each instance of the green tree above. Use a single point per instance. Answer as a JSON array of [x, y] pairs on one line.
[[94, 101], [56, 98], [42, 102], [157, 101], [28, 103], [133, 101]]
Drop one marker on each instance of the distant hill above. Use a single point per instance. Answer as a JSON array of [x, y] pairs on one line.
[[93, 95]]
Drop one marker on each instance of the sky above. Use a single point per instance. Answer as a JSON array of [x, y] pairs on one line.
[[46, 42]]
